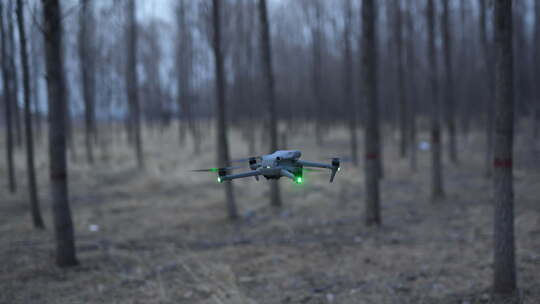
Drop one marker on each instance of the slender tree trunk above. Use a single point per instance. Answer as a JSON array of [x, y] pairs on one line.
[[132, 84], [490, 88], [536, 101], [275, 196], [403, 108], [88, 78], [8, 107], [182, 85], [449, 95], [411, 83], [317, 42], [222, 140], [369, 86], [36, 73], [436, 162], [32, 184], [504, 282], [348, 82], [63, 224], [15, 109]]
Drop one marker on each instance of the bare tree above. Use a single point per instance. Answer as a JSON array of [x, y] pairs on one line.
[[63, 224], [488, 70], [15, 110], [32, 184], [411, 83], [436, 162], [400, 52], [317, 37], [270, 86], [449, 89], [86, 55], [132, 81], [8, 103], [222, 147], [348, 80], [536, 73], [369, 87], [504, 263]]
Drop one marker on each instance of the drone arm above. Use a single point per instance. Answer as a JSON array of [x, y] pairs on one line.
[[315, 165], [240, 175], [288, 174]]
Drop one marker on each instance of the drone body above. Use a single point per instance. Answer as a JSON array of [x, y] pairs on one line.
[[276, 165]]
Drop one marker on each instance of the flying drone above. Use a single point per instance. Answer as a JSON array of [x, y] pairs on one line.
[[276, 165]]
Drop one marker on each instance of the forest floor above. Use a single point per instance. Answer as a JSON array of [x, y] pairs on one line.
[[161, 235]]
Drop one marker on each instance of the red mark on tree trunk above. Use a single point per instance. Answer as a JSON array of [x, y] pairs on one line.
[[502, 163], [58, 175], [371, 156]]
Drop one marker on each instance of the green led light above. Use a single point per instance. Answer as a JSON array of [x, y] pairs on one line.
[[214, 170], [219, 179], [299, 180]]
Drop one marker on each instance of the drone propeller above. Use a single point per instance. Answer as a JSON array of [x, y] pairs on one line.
[[216, 170]]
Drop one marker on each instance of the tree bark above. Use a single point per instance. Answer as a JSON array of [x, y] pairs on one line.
[[449, 90], [222, 140], [348, 82], [317, 42], [270, 86], [15, 110], [88, 77], [63, 224], [369, 86], [436, 162], [403, 108], [504, 281], [8, 103], [132, 86], [536, 101], [411, 84], [486, 48], [32, 183]]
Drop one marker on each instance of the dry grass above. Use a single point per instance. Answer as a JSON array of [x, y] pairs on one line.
[[163, 236]]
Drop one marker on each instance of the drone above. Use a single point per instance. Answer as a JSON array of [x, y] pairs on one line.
[[279, 164]]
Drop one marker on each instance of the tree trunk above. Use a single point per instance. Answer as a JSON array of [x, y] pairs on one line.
[[403, 108], [12, 180], [536, 48], [490, 88], [88, 77], [132, 83], [504, 282], [222, 140], [63, 225], [449, 94], [270, 86], [15, 110], [369, 86], [317, 42], [32, 184], [411, 83], [348, 82], [436, 162]]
